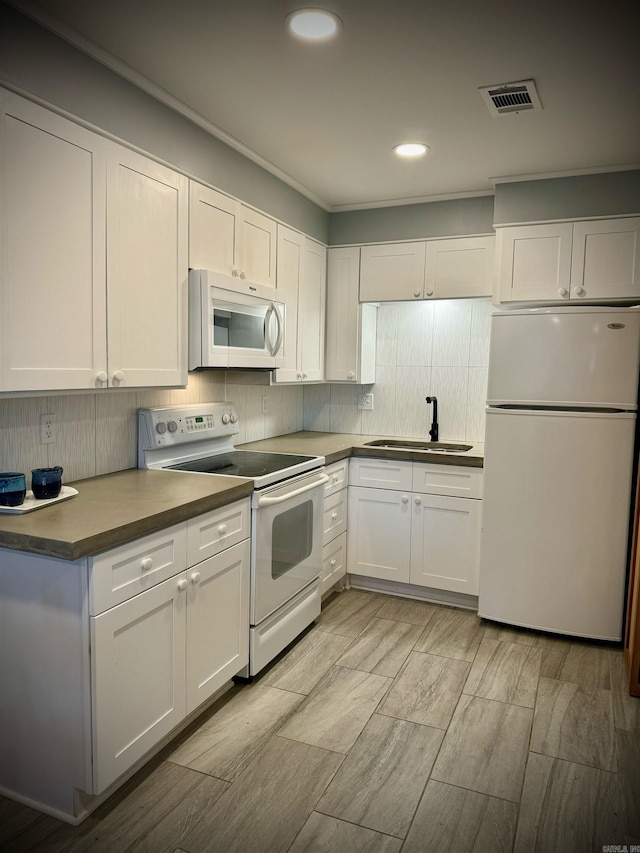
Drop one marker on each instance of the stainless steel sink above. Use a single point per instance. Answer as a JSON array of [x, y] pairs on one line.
[[425, 446]]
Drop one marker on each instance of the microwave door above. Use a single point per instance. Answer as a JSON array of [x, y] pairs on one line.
[[240, 331]]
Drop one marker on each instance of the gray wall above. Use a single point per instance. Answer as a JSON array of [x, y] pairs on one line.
[[44, 65], [413, 221], [606, 194]]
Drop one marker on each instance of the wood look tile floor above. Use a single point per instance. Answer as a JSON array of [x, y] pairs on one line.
[[388, 727]]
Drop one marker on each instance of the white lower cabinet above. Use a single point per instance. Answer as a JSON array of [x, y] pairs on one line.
[[425, 534], [334, 552], [104, 657]]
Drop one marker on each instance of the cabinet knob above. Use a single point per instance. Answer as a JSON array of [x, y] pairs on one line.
[[417, 293], [304, 375], [222, 529], [405, 499], [429, 292], [182, 585], [562, 291], [102, 377], [234, 272], [243, 275], [118, 376], [417, 501], [195, 577], [333, 564], [146, 564], [580, 291], [350, 374], [334, 516], [335, 478]]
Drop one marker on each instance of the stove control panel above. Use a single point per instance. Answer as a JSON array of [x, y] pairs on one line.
[[167, 426]]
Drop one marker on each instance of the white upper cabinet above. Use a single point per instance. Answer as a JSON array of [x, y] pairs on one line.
[[93, 266], [597, 260], [606, 259], [392, 272], [147, 222], [351, 326], [302, 288], [52, 252], [428, 269], [460, 266], [229, 237]]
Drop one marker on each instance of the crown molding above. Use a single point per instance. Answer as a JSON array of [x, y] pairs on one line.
[[568, 173]]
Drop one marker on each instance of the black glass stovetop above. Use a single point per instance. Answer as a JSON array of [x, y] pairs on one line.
[[242, 463]]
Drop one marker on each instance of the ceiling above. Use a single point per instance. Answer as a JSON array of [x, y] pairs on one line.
[[325, 116]]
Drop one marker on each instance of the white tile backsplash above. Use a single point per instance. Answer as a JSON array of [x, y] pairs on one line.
[[424, 348]]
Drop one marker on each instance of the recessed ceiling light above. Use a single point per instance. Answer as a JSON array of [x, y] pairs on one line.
[[313, 24], [411, 149]]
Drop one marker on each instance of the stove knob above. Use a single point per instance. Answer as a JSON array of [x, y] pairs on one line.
[[173, 426], [226, 418], [234, 419], [161, 427]]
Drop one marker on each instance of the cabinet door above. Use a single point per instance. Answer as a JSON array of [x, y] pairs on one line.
[[378, 536], [290, 256], [445, 543], [52, 251], [459, 267], [343, 315], [392, 272], [213, 230], [138, 677], [606, 259], [334, 562], [256, 249], [147, 231], [217, 622], [534, 262], [311, 311]]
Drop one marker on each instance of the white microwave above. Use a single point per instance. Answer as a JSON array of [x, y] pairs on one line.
[[229, 326]]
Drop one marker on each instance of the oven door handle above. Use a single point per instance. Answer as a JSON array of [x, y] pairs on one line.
[[265, 500]]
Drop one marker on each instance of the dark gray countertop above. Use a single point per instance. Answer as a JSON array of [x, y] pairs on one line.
[[336, 446], [115, 508]]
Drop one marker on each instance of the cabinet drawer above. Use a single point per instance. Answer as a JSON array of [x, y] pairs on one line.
[[381, 474], [120, 573], [458, 482], [335, 515], [338, 475], [214, 531], [334, 562]]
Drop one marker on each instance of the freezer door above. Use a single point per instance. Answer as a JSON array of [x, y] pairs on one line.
[[557, 490], [565, 357]]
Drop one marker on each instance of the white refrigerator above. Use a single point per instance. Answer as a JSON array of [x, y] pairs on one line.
[[559, 450]]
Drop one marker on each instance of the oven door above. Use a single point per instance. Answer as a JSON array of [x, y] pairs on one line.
[[287, 541]]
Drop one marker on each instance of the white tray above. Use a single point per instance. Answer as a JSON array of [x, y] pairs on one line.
[[31, 503]]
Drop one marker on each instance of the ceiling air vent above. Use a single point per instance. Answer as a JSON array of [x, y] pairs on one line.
[[507, 98]]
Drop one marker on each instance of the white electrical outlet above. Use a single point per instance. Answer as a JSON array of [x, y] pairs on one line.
[[365, 402], [47, 429]]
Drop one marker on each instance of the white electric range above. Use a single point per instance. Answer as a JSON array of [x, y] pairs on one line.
[[286, 513]]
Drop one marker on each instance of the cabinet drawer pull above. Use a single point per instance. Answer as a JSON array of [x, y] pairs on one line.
[[562, 291], [334, 516], [405, 499], [417, 501], [580, 291], [333, 564], [146, 564], [222, 529], [182, 585], [335, 478], [195, 577]]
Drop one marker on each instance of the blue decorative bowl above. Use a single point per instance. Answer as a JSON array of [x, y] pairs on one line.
[[46, 482], [13, 488]]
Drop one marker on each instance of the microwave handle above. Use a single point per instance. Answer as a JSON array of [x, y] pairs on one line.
[[273, 309]]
